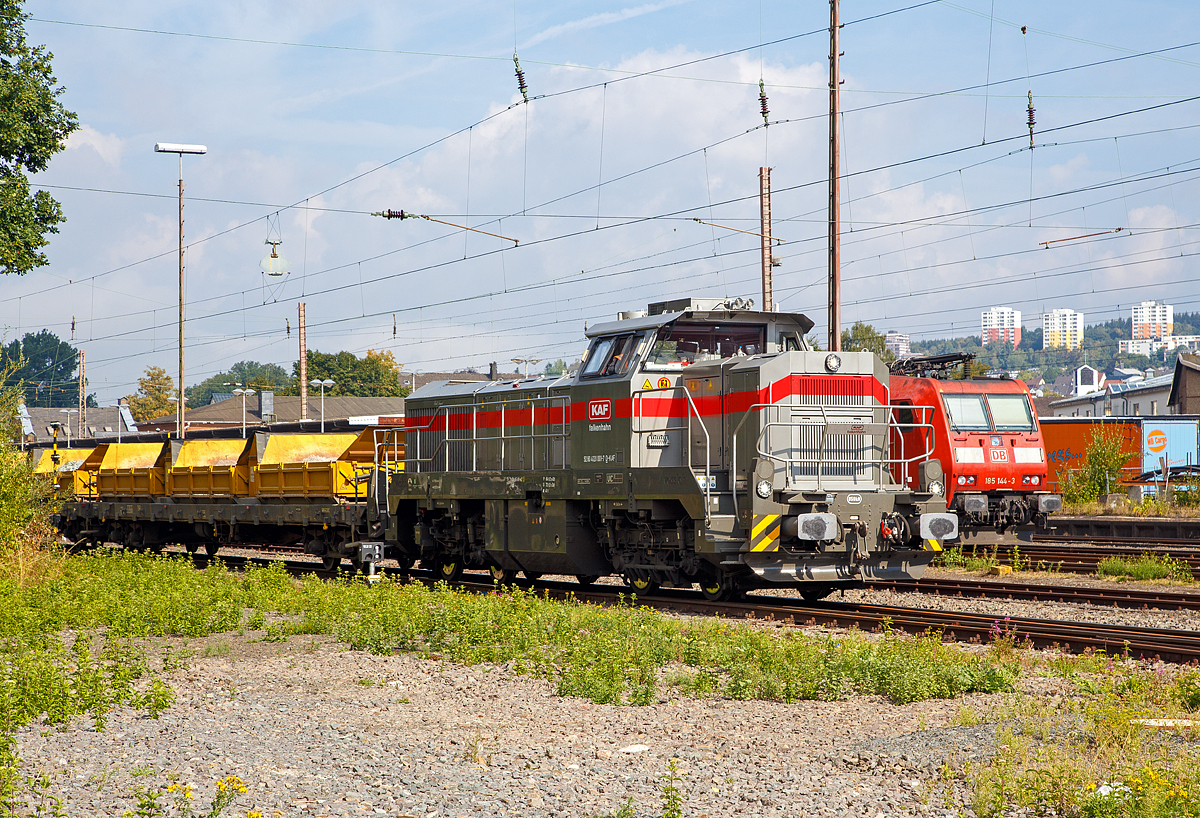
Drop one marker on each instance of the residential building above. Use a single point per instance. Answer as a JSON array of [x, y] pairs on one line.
[[1185, 389], [1153, 319], [1151, 346], [1143, 398], [1062, 328], [1001, 324], [898, 343]]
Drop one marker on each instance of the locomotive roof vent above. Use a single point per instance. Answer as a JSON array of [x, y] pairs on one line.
[[629, 315]]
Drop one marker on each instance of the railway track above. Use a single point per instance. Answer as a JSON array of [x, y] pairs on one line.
[[1080, 558], [1115, 597], [1174, 646]]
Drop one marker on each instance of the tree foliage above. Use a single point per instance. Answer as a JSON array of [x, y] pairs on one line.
[[33, 127], [152, 398], [244, 373], [376, 375], [864, 337], [43, 367]]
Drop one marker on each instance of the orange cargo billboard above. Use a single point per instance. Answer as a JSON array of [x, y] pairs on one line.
[[1067, 442]]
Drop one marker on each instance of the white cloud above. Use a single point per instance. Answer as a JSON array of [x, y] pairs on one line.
[[596, 20], [108, 146]]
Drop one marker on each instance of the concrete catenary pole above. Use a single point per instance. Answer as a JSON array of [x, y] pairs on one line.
[[303, 366], [835, 232], [764, 211]]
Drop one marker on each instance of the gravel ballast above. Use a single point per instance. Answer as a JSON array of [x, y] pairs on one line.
[[299, 723]]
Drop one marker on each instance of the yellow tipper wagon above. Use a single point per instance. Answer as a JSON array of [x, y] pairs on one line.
[[126, 470], [68, 461], [207, 469], [306, 467]]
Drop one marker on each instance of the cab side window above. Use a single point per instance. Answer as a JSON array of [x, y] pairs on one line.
[[610, 356]]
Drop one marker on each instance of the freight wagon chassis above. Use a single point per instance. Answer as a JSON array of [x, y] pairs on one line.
[[332, 531]]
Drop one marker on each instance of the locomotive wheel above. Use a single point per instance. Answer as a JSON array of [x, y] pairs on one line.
[[720, 588], [504, 576], [586, 579], [815, 592], [641, 582], [449, 569]]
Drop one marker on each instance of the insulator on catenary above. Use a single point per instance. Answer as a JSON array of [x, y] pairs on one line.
[[762, 102], [1030, 119], [289, 326], [524, 89]]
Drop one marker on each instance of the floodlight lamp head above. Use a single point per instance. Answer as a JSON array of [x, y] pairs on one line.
[[175, 147]]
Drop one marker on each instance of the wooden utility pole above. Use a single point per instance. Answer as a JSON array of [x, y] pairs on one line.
[[303, 367], [835, 231], [764, 209]]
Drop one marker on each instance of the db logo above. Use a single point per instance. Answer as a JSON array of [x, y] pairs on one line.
[[600, 409], [1156, 441], [999, 455]]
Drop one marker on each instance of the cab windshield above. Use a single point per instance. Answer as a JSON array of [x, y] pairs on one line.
[[988, 413], [610, 355], [682, 345]]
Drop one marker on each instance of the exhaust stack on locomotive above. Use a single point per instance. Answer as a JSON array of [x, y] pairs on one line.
[[701, 442]]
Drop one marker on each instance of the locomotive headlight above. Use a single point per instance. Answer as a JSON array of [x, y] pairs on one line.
[[763, 489], [1025, 479], [1036, 479], [962, 480], [833, 362], [936, 487]]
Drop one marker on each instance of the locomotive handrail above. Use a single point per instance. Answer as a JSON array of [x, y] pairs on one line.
[[474, 440], [881, 463], [692, 410]]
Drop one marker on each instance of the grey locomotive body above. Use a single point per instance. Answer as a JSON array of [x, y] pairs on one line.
[[700, 442]]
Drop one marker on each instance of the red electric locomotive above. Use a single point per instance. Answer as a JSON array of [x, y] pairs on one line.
[[986, 434]]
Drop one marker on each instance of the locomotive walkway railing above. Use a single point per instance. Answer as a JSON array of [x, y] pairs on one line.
[[556, 411], [845, 456], [637, 417]]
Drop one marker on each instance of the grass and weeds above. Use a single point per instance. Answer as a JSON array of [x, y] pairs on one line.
[[1146, 567], [1083, 751]]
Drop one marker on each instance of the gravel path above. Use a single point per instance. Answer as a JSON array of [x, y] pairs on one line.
[[299, 723]]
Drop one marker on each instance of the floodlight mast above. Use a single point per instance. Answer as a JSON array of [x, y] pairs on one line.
[[180, 149]]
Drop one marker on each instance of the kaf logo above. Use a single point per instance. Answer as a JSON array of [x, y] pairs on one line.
[[600, 409]]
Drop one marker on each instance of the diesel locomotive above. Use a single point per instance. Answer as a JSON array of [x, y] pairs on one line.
[[700, 441]]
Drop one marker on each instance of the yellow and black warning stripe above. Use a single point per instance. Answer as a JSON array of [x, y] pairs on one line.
[[764, 535], [932, 545]]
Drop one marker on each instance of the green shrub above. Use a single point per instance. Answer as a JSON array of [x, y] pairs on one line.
[[1101, 469]]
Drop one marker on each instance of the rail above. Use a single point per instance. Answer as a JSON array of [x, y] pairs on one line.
[[890, 429], [637, 417]]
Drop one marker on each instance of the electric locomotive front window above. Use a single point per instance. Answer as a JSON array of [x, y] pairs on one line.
[[610, 356], [1010, 413], [683, 344], [966, 413]]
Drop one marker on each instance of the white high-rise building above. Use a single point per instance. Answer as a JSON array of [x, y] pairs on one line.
[[1153, 319], [1001, 324], [1062, 328], [898, 343]]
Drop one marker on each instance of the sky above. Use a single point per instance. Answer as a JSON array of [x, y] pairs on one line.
[[641, 118]]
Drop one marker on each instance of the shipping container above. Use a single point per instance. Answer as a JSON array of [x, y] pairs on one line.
[[1145, 439]]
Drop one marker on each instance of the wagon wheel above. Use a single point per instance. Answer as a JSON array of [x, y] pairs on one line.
[[814, 592], [641, 581], [448, 568], [503, 576], [586, 579], [211, 548], [719, 588], [532, 576], [192, 547], [331, 562]]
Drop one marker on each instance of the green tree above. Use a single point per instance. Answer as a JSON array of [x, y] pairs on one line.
[[244, 373], [376, 375], [33, 127], [43, 367], [152, 398], [556, 367], [862, 337]]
